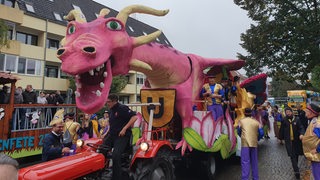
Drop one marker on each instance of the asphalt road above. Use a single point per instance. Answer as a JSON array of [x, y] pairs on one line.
[[274, 164]]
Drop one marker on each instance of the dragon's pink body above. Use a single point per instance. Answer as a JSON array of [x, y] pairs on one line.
[[104, 46]]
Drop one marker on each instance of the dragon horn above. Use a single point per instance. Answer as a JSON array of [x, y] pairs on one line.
[[137, 64], [124, 13], [104, 12], [75, 15], [138, 41]]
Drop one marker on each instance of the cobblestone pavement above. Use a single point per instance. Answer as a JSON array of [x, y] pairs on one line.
[[274, 164]]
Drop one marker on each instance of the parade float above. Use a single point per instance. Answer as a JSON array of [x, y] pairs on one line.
[[24, 126], [94, 52]]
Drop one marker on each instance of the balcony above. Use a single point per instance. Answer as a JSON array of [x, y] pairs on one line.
[[14, 48], [6, 13]]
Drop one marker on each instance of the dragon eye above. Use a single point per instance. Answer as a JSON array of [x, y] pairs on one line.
[[114, 25], [71, 29]]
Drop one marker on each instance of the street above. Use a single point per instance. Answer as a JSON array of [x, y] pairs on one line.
[[274, 163]]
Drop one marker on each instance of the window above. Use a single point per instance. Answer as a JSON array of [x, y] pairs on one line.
[[57, 16], [19, 64], [140, 78], [27, 38], [2, 62], [10, 34], [138, 98], [53, 44], [127, 77], [29, 7], [51, 71], [22, 65], [10, 64], [131, 29], [124, 99], [7, 3], [63, 75], [31, 67]]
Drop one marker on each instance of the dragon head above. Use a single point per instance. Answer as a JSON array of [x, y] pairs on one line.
[[96, 51]]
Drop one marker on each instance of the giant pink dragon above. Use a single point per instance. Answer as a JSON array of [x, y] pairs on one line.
[[96, 51]]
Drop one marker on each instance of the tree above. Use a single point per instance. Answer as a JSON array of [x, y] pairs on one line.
[[4, 40], [118, 84], [281, 83], [284, 37], [315, 78]]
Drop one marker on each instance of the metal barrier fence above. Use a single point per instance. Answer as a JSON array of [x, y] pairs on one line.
[[27, 117]]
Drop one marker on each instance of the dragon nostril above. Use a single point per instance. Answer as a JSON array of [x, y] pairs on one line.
[[60, 52], [89, 49]]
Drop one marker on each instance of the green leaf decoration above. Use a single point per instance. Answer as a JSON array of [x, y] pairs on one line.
[[225, 148], [135, 135], [194, 139], [217, 144]]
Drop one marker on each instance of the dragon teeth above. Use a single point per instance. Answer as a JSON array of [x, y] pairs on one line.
[[105, 74], [77, 94], [98, 93], [101, 85], [91, 72], [98, 68]]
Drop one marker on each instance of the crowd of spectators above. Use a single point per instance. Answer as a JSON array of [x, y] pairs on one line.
[[30, 96]]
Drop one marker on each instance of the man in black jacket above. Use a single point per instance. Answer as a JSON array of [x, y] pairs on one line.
[[52, 143], [29, 96], [121, 118], [292, 131]]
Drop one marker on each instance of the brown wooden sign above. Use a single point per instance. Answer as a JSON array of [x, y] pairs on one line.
[[162, 114]]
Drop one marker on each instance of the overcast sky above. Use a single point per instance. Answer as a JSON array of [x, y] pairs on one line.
[[209, 28]]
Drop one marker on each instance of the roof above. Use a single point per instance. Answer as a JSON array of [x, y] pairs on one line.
[[45, 9], [6, 78]]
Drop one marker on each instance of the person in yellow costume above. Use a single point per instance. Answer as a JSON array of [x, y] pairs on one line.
[[73, 128], [250, 132], [95, 128], [311, 139], [213, 93], [104, 124]]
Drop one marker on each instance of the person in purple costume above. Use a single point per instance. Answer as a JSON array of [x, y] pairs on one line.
[[213, 93], [250, 132]]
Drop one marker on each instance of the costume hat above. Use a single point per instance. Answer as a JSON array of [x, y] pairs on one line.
[[93, 116], [314, 108], [57, 118]]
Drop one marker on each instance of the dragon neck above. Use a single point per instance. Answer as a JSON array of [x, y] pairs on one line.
[[169, 67]]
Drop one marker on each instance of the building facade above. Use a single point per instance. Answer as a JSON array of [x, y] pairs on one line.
[[35, 30]]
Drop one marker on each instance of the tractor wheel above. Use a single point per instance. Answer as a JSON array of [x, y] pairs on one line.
[[158, 168]]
